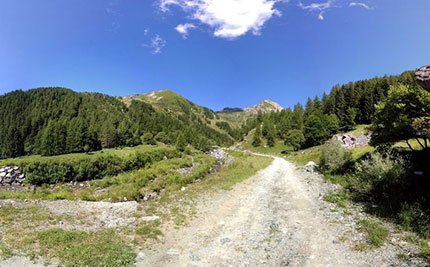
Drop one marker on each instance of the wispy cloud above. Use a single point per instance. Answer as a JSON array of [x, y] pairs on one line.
[[184, 28], [228, 18], [359, 4], [320, 7], [156, 44]]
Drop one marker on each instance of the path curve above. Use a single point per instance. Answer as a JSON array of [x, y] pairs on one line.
[[271, 219]]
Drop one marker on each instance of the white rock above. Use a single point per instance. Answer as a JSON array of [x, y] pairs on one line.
[[150, 218]]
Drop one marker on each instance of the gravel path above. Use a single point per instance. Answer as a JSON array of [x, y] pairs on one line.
[[272, 219]]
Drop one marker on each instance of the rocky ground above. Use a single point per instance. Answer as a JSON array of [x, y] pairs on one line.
[[276, 218]]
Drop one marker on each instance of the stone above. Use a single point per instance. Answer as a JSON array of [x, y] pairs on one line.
[[194, 258], [422, 76], [183, 188], [350, 141], [174, 252], [150, 218], [2, 174], [225, 240]]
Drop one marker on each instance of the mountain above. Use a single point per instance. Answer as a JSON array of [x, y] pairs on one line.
[[266, 106], [239, 116], [52, 121]]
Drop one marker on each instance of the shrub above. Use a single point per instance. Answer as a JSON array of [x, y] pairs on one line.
[[380, 174], [61, 171], [334, 158]]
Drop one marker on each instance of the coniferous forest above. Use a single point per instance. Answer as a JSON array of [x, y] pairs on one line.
[[53, 121]]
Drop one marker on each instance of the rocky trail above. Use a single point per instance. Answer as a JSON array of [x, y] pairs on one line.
[[276, 218]]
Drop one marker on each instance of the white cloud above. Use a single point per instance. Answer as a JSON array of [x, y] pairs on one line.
[[229, 18], [366, 6], [184, 28], [145, 32], [320, 7], [157, 44]]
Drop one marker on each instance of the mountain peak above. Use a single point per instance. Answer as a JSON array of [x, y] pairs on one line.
[[265, 107]]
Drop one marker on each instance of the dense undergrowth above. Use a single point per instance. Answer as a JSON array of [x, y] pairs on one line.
[[386, 182]]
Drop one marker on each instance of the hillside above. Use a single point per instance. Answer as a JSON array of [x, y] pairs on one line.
[[52, 121], [239, 116]]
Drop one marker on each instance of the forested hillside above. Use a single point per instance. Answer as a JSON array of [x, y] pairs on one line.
[[52, 121], [340, 110]]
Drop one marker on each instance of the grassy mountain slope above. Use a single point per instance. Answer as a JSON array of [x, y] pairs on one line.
[[238, 116]]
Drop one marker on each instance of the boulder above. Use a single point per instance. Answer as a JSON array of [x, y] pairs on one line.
[[311, 167], [422, 75]]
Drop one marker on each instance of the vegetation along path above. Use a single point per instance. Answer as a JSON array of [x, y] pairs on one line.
[[275, 218]]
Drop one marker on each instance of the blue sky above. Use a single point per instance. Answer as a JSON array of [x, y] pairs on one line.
[[216, 53]]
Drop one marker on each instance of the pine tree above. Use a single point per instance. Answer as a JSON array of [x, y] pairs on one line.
[[15, 144], [256, 140]]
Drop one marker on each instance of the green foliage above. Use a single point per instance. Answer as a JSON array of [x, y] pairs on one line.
[[53, 121], [181, 142], [340, 198], [76, 248], [395, 115], [295, 139], [378, 174], [315, 131], [60, 171], [376, 233], [332, 123], [256, 140], [334, 158], [148, 139]]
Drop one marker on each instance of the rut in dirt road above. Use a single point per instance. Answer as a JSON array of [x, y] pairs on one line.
[[271, 219]]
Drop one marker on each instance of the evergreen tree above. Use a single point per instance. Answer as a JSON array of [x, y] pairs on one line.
[[295, 139], [256, 140], [15, 146], [315, 132]]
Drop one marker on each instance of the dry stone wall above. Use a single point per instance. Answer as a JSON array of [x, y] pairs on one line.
[[11, 175]]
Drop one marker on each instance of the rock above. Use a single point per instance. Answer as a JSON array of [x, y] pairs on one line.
[[350, 141], [2, 174], [183, 188], [194, 258], [173, 252], [422, 75], [311, 167], [225, 240], [150, 218]]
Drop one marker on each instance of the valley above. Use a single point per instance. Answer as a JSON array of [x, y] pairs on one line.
[[156, 180]]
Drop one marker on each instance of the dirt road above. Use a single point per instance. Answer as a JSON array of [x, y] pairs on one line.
[[272, 219]]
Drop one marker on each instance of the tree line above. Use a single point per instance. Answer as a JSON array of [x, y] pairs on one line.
[[52, 121], [340, 110]]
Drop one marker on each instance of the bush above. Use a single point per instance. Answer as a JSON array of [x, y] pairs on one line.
[[380, 173], [61, 171], [335, 158]]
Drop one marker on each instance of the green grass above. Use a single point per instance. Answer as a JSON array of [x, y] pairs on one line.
[[302, 157], [376, 233], [413, 142], [339, 198], [243, 167], [149, 230], [360, 129], [5, 252], [121, 152], [77, 248], [275, 150]]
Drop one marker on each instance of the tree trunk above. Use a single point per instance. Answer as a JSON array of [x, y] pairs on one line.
[[409, 145], [419, 142]]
